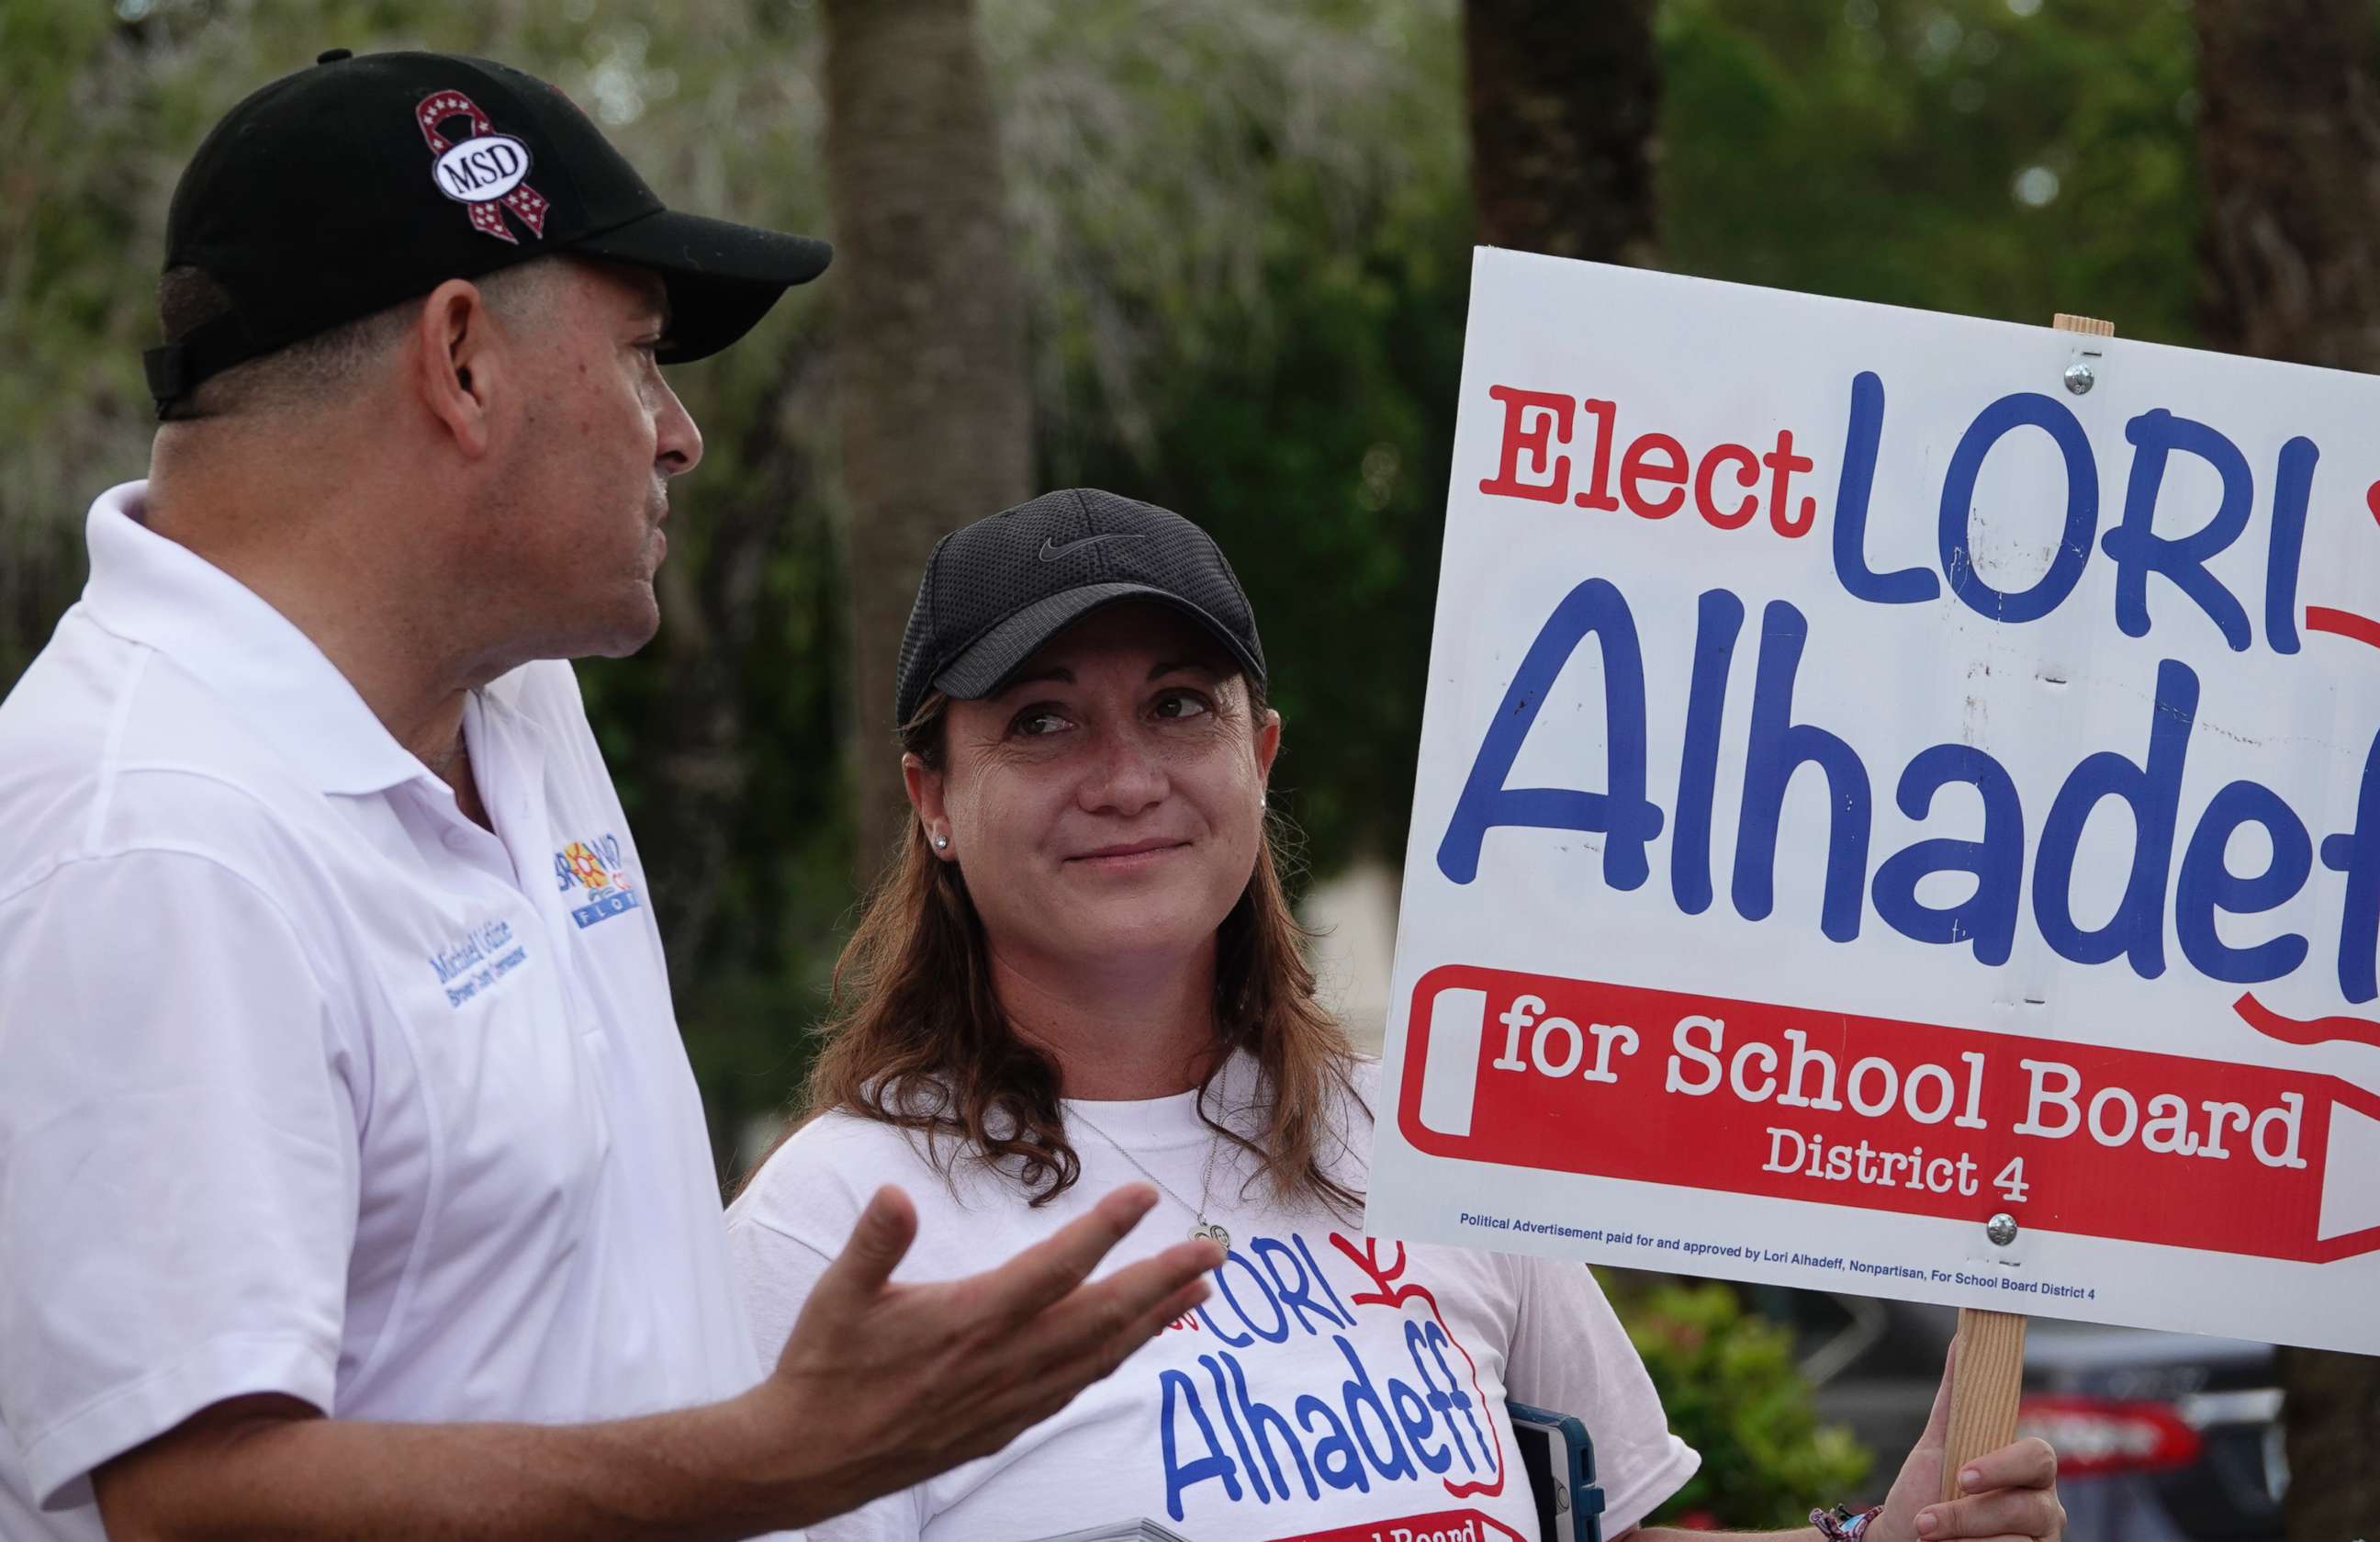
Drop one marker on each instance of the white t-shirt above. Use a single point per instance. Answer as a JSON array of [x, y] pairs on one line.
[[1333, 1389], [308, 1083]]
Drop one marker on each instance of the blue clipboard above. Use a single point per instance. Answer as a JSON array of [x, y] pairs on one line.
[[1560, 1459]]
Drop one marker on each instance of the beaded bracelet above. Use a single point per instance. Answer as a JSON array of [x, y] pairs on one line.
[[1843, 1523]]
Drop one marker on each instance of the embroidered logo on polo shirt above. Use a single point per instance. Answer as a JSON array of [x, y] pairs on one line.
[[594, 866], [476, 960]]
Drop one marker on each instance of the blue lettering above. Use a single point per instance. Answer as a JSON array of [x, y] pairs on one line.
[[2023, 408], [1261, 1419], [1294, 1296], [1458, 1400], [1207, 1318], [1779, 747], [1334, 1454], [1280, 1332], [2357, 853], [1413, 1415], [1719, 616], [2293, 490], [2138, 551], [1622, 815], [1421, 1422], [1321, 1277], [2152, 791], [1361, 1397], [1239, 1440], [1908, 585], [2199, 889], [1181, 1477], [1986, 917], [2207, 885]]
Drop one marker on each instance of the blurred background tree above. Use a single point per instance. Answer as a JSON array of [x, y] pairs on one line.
[[1731, 1389], [1238, 236], [1564, 109], [930, 384], [2289, 140], [1214, 254]]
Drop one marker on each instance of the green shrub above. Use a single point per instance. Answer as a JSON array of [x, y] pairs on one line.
[[1729, 1381]]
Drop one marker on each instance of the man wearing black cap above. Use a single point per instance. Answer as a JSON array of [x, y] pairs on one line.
[[342, 1077]]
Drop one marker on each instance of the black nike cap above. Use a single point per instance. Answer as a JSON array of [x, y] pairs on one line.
[[347, 187], [995, 591]]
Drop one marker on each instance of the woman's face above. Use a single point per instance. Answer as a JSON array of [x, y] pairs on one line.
[[1106, 805]]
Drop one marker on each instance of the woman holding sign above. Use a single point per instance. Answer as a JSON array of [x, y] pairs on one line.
[[1081, 969]]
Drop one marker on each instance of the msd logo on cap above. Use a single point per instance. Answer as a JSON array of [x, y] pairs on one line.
[[487, 173], [373, 240]]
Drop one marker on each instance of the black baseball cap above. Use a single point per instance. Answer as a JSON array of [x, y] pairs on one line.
[[344, 189], [996, 590]]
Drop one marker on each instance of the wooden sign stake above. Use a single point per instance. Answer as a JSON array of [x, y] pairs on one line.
[[1984, 1384], [1989, 1371]]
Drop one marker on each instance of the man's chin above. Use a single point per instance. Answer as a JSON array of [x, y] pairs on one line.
[[635, 623]]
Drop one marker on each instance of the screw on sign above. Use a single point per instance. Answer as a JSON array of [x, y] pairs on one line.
[[1786, 1102]]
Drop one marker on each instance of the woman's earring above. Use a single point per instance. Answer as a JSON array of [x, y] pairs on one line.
[[942, 842]]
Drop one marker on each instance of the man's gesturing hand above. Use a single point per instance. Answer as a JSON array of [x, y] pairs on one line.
[[885, 1385]]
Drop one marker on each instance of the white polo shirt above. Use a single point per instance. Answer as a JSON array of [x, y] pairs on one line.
[[308, 1084]]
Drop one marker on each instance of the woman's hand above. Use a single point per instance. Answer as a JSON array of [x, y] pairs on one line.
[[2006, 1494]]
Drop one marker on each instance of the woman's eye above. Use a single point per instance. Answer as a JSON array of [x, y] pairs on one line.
[[1182, 704], [1038, 721]]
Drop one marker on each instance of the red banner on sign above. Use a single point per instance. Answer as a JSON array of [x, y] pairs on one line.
[[1787, 1102], [1446, 1525]]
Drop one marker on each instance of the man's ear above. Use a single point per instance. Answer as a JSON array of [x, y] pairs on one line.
[[924, 785], [460, 363]]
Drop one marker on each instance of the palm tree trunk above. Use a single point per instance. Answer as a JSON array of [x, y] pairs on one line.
[[1564, 103], [2290, 264], [2289, 148], [930, 382]]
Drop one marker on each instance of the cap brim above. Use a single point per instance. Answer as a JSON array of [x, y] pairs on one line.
[[722, 278], [985, 663]]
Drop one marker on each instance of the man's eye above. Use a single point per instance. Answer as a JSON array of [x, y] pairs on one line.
[[1038, 721], [1182, 704]]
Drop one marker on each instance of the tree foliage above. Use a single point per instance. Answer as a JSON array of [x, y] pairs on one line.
[[1731, 1390], [2002, 158], [1243, 232], [2289, 143]]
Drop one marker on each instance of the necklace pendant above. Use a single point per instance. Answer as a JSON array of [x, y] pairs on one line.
[[1207, 1231]]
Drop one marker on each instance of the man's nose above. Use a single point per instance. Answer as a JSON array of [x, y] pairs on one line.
[[678, 444]]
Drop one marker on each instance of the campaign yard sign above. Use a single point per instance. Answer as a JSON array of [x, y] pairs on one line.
[[1884, 774]]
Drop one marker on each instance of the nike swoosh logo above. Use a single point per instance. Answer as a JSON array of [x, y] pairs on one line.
[[1051, 551]]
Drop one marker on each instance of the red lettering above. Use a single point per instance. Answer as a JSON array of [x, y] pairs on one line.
[[1537, 439], [1783, 462], [1747, 476], [1655, 470], [1636, 469], [1599, 492]]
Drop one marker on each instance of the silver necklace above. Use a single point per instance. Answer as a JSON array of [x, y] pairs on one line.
[[1204, 1231]]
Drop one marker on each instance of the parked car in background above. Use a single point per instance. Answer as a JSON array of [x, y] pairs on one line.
[[2161, 1437]]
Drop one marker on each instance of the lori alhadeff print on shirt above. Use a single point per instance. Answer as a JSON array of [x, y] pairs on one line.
[[1332, 1388], [1330, 1369]]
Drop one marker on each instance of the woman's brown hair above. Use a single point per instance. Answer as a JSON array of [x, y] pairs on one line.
[[915, 1037]]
